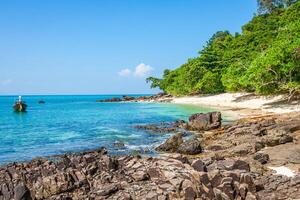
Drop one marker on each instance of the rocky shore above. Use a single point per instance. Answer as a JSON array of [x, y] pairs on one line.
[[253, 158], [161, 97]]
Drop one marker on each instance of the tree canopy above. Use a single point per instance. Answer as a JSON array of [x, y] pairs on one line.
[[263, 58]]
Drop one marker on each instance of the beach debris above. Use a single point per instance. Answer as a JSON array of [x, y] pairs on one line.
[[282, 170], [20, 106]]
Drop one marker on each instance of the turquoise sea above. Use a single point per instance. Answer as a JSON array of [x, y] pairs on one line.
[[75, 123]]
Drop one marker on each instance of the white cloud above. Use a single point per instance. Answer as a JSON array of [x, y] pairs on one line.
[[142, 70], [6, 82], [125, 72]]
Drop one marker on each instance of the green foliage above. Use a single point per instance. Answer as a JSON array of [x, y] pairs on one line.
[[269, 6], [155, 82], [264, 58], [210, 83]]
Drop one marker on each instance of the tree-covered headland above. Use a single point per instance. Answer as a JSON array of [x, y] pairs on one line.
[[264, 58]]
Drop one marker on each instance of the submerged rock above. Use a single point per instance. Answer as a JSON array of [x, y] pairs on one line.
[[110, 100]]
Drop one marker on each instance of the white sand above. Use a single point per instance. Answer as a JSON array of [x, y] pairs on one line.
[[282, 170], [265, 104]]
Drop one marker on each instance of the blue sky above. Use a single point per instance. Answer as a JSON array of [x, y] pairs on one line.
[[105, 46]]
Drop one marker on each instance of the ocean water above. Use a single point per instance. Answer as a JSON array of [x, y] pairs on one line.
[[75, 123]]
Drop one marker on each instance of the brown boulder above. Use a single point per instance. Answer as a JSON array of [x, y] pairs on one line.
[[208, 121], [172, 144]]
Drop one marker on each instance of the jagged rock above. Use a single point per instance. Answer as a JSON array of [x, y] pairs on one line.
[[261, 157], [199, 165], [172, 144], [181, 124], [176, 144], [128, 98], [118, 144], [122, 177], [277, 137], [21, 192], [188, 190], [107, 190], [206, 121], [242, 149], [190, 147], [115, 99], [229, 164], [161, 128]]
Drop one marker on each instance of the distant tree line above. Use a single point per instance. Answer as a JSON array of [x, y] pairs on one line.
[[263, 58]]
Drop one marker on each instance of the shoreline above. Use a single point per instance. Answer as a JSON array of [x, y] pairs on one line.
[[228, 155], [244, 159], [239, 105]]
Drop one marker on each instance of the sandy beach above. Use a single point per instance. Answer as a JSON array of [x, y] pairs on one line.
[[242, 104]]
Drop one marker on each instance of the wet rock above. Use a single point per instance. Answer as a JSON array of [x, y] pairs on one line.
[[181, 124], [206, 121], [160, 128], [115, 99], [128, 98], [119, 144], [172, 144]]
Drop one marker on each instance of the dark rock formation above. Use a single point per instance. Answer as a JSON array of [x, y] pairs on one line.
[[161, 97], [231, 167], [190, 147], [110, 100], [41, 102], [176, 144], [95, 175], [158, 128], [171, 144], [208, 121], [278, 187], [263, 158]]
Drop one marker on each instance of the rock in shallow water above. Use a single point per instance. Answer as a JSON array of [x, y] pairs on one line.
[[176, 144], [208, 121]]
